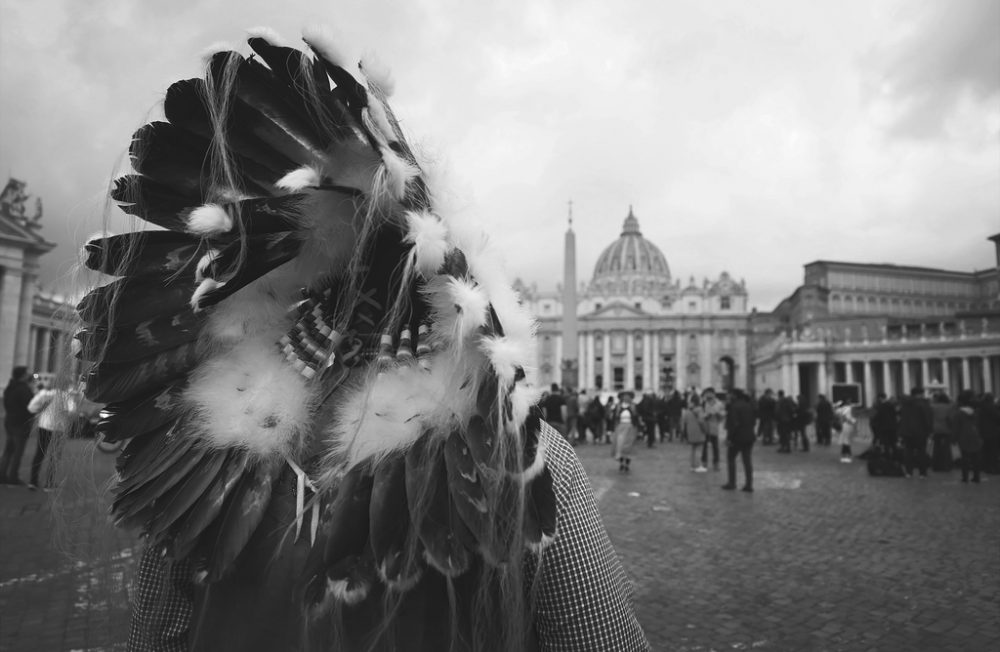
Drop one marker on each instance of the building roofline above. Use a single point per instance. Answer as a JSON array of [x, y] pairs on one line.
[[890, 267]]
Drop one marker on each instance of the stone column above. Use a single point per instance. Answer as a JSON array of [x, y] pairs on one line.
[[869, 384], [796, 382], [966, 376], [742, 362], [629, 360], [822, 382], [707, 360], [680, 361], [887, 379], [28, 277], [606, 372], [925, 372], [848, 372], [44, 350], [654, 361], [647, 362], [32, 347], [10, 296], [906, 377], [987, 374], [786, 377]]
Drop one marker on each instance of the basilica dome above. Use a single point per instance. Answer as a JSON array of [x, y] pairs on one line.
[[631, 265]]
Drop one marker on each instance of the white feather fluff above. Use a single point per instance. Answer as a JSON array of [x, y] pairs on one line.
[[379, 121], [458, 307], [393, 175], [522, 399], [209, 219], [429, 237], [250, 398], [215, 48], [267, 34], [378, 73], [306, 176], [341, 592], [325, 42], [538, 464], [206, 286], [505, 355], [204, 262]]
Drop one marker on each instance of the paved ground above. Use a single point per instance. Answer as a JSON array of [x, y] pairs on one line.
[[822, 557]]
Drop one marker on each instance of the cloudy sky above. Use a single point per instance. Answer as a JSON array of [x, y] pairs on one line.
[[749, 137]]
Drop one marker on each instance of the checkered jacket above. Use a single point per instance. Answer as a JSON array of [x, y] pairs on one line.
[[584, 600]]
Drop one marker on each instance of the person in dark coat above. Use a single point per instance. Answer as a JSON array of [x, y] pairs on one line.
[[647, 415], [17, 422], [765, 417], [915, 424], [989, 430], [883, 422], [965, 432], [784, 419], [675, 406], [740, 427], [803, 417], [824, 421]]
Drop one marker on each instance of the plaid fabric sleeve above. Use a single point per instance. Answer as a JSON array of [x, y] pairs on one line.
[[162, 598], [584, 600]]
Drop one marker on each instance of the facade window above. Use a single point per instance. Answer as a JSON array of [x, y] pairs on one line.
[[638, 383], [597, 306], [638, 305], [724, 303], [618, 378], [692, 306]]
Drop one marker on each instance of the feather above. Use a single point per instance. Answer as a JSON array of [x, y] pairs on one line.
[[263, 254], [130, 506], [351, 578], [540, 511], [109, 381], [481, 438], [466, 484], [156, 253], [131, 300], [431, 509], [139, 416], [139, 340], [154, 202], [140, 449], [209, 220], [378, 74], [242, 515], [185, 494], [307, 176], [141, 469], [458, 307], [429, 237], [349, 516], [187, 532], [390, 525], [505, 355]]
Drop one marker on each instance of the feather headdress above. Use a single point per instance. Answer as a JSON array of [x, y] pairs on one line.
[[303, 314]]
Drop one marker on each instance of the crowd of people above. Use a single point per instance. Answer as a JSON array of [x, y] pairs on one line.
[[32, 405], [918, 431]]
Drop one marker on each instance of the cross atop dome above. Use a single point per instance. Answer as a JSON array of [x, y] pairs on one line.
[[631, 225]]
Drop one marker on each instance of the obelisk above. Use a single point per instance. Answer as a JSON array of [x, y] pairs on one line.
[[570, 354]]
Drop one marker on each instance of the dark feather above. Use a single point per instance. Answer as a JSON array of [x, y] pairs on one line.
[[154, 202], [469, 492], [109, 382], [187, 493], [431, 508], [352, 578], [139, 340], [241, 516], [481, 437], [138, 448], [130, 507], [132, 300], [349, 524], [265, 253], [187, 532], [126, 419], [390, 523], [539, 509], [145, 468], [142, 253], [178, 159]]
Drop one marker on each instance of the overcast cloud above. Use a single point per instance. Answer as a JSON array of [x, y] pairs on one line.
[[749, 137]]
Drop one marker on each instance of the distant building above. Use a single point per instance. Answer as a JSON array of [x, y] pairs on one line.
[[886, 327], [21, 247], [637, 327]]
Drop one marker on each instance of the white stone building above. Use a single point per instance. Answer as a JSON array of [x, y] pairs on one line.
[[636, 326]]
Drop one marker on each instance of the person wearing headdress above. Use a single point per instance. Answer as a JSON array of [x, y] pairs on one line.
[[324, 382]]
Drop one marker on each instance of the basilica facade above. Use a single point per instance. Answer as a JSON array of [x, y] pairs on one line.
[[633, 325]]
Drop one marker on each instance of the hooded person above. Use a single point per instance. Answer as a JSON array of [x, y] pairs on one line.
[[324, 382]]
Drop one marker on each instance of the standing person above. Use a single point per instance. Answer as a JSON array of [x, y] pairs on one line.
[[595, 418], [740, 426], [784, 417], [715, 417], [609, 419], [824, 421], [17, 422], [52, 407], [844, 419], [647, 413], [765, 417], [573, 416], [693, 430], [554, 408], [675, 406], [883, 422], [965, 433], [663, 418], [989, 430], [803, 417], [916, 421], [941, 435], [626, 430]]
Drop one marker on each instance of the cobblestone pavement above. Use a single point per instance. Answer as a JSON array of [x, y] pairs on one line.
[[821, 557]]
